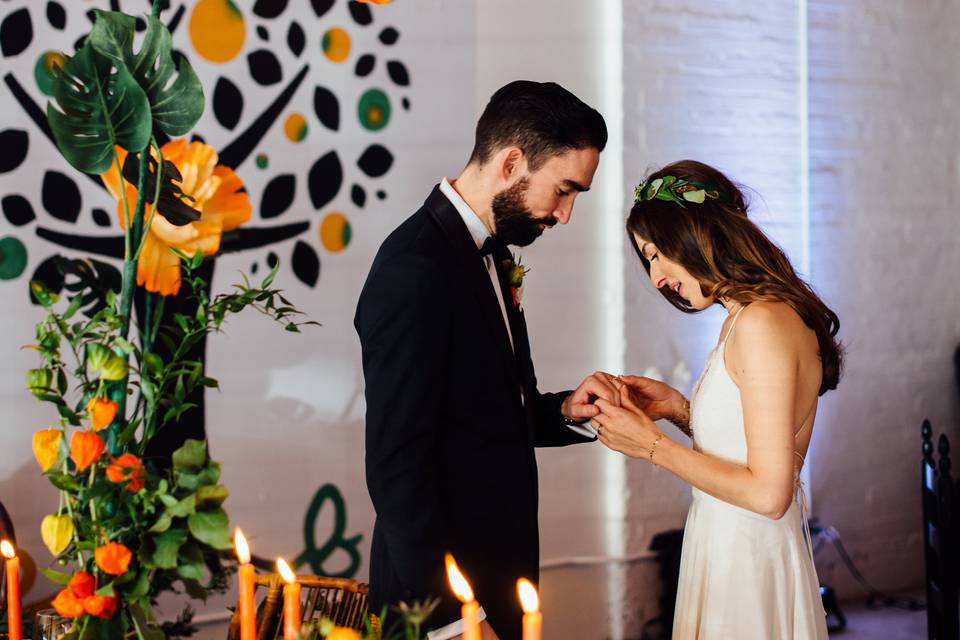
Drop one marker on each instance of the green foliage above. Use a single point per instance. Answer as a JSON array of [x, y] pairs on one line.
[[409, 624], [176, 103], [172, 520], [96, 110]]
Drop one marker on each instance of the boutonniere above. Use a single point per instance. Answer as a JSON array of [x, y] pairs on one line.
[[515, 272]]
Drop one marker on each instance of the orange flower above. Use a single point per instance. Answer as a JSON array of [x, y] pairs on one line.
[[67, 604], [70, 602], [86, 448], [46, 447], [100, 606], [113, 558], [101, 412], [82, 584], [127, 468], [217, 193], [343, 633]]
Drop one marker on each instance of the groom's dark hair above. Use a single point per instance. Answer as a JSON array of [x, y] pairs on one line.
[[541, 118]]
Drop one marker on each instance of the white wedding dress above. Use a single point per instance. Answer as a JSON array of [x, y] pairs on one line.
[[743, 576]]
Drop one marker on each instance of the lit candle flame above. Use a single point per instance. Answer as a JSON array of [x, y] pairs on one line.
[[243, 549], [529, 599], [7, 549], [285, 571], [461, 588]]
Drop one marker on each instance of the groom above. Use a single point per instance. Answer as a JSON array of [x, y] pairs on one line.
[[453, 410]]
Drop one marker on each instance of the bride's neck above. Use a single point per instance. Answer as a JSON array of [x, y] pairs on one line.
[[732, 306]]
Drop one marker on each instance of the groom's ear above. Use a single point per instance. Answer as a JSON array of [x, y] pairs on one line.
[[512, 162]]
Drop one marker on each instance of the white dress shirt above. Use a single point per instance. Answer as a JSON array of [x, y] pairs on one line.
[[479, 232]]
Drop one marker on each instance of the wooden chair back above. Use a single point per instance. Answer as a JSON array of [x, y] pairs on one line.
[[941, 538], [341, 600]]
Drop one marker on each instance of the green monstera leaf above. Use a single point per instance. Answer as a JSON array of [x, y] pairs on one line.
[[97, 108], [176, 102]]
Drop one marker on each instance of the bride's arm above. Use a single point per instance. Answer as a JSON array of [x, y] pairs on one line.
[[765, 357]]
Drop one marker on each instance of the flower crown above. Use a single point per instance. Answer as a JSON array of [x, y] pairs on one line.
[[672, 189]]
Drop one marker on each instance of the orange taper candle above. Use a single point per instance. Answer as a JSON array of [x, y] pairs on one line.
[[291, 601], [530, 601], [248, 612], [470, 611], [14, 622]]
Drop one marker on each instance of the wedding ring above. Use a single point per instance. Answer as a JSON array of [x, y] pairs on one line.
[[599, 429]]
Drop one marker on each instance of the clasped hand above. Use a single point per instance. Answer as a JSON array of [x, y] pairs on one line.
[[623, 410]]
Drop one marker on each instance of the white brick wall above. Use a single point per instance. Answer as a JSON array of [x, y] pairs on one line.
[[884, 97]]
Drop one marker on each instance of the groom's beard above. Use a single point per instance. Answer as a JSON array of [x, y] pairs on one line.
[[515, 223]]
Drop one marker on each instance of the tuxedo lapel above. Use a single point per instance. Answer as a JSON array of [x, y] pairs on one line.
[[521, 340], [475, 274]]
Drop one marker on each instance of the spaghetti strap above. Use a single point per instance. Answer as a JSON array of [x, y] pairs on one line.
[[733, 323]]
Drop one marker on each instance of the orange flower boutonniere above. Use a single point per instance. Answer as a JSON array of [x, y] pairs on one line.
[[515, 271]]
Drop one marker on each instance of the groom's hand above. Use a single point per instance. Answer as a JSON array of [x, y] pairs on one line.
[[579, 405]]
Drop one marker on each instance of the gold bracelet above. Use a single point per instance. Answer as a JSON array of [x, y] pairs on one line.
[[653, 448]]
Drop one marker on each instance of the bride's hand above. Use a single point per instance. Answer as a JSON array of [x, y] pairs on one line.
[[626, 428], [654, 398]]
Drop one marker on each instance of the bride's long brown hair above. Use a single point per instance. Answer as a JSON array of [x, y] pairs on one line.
[[730, 256]]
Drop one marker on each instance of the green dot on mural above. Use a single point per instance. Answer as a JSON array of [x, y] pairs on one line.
[[13, 258], [374, 109], [262, 161]]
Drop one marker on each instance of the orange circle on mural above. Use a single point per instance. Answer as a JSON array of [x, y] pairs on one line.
[[335, 232], [336, 44], [295, 127], [217, 30]]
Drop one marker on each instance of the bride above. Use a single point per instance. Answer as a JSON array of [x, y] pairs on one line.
[[747, 568]]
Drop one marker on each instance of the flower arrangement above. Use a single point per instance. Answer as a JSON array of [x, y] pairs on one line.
[[408, 625], [129, 526]]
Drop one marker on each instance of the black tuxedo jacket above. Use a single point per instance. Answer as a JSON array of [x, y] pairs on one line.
[[450, 440]]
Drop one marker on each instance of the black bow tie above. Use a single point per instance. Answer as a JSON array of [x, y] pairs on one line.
[[492, 246]]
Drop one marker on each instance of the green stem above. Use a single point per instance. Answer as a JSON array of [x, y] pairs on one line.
[[126, 205], [156, 199], [146, 329], [76, 536], [93, 504], [134, 230]]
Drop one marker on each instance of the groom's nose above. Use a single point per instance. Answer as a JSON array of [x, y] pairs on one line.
[[563, 213]]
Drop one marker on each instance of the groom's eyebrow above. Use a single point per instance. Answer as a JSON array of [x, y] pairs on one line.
[[573, 184]]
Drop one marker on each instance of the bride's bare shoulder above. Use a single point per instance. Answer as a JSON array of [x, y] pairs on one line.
[[775, 321]]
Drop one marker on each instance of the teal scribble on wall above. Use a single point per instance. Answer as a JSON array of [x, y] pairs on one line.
[[316, 556]]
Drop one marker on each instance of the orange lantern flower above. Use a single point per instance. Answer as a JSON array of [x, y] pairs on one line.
[[217, 194], [343, 633], [82, 584], [86, 448], [127, 468], [46, 447], [101, 412], [100, 606], [70, 601], [113, 558], [67, 604]]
